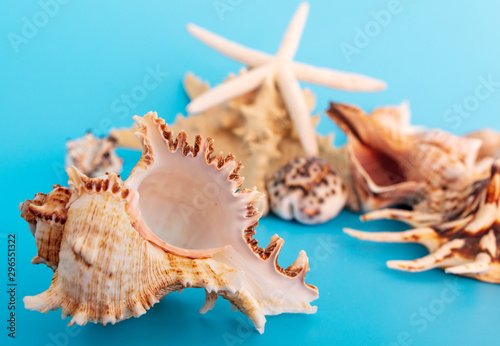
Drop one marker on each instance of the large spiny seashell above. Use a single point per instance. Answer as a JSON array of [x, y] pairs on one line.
[[308, 190], [180, 220], [93, 156], [467, 246], [431, 171]]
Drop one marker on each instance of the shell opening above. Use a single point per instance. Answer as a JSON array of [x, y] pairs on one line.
[[184, 199], [173, 202], [381, 168]]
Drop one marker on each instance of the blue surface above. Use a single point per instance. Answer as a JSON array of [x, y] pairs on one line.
[[68, 75]]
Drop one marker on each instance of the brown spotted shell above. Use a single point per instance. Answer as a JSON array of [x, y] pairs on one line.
[[308, 190]]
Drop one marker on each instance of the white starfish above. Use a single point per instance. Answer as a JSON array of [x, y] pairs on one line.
[[285, 71]]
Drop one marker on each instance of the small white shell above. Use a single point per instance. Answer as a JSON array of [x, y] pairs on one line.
[[93, 156]]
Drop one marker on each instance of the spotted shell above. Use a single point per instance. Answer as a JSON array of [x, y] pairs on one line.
[[308, 190]]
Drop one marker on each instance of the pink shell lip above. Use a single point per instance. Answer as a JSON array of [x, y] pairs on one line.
[[151, 122], [249, 214], [146, 232]]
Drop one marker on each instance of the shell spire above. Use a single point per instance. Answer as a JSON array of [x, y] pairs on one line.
[[46, 216], [184, 221]]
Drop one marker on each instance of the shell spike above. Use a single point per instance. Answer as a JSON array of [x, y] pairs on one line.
[[274, 249], [481, 265], [411, 218], [425, 236], [210, 298], [442, 257]]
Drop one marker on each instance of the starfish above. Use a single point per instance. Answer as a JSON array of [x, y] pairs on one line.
[[281, 68]]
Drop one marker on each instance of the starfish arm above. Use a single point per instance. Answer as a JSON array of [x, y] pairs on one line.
[[336, 79], [297, 107], [233, 50], [291, 40], [230, 89]]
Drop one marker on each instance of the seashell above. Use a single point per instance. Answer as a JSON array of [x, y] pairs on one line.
[[393, 163], [466, 246], [256, 127], [46, 215], [180, 220], [93, 156], [308, 190], [491, 143]]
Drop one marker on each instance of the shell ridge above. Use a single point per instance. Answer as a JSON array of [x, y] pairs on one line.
[[112, 266]]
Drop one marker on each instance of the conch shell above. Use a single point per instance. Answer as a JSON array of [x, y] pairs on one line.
[[93, 156], [466, 246], [393, 163], [180, 220]]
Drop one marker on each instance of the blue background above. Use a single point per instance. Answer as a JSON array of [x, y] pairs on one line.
[[64, 80]]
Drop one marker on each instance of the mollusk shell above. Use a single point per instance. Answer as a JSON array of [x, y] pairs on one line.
[[393, 163], [466, 246], [307, 189], [491, 143], [180, 220], [93, 156]]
